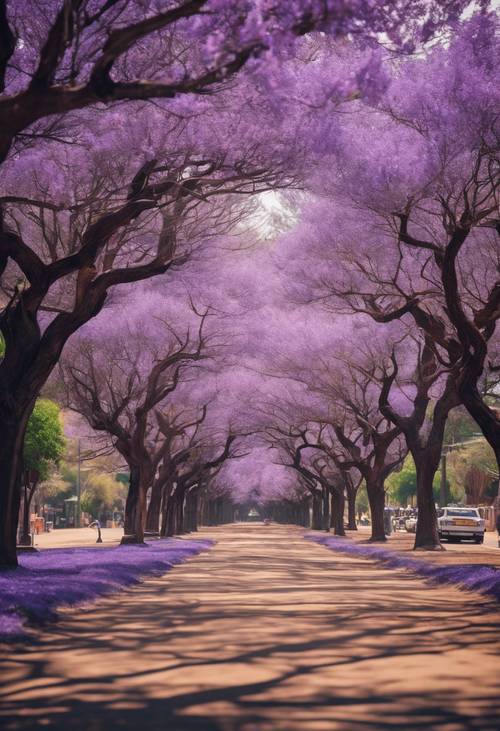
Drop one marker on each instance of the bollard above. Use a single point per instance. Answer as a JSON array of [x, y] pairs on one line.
[[97, 525]]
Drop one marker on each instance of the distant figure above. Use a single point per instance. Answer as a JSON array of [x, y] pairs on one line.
[[97, 525]]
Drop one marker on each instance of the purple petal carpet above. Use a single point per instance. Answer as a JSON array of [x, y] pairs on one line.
[[60, 577], [482, 578]]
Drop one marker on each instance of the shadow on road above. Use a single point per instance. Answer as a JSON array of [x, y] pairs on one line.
[[265, 632]]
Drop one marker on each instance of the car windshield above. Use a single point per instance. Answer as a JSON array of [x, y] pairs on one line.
[[462, 513]]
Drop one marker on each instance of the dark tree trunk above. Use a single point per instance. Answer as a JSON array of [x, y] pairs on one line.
[[376, 498], [179, 514], [317, 522], [169, 517], [426, 534], [25, 537], [202, 508], [338, 506], [132, 507], [351, 508], [326, 498], [193, 510], [11, 449], [188, 506], [153, 517], [141, 514], [427, 458]]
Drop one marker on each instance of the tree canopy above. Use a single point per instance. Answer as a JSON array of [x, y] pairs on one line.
[[44, 443]]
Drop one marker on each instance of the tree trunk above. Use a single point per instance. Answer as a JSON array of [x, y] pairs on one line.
[[11, 450], [193, 523], [153, 517], [202, 508], [351, 508], [376, 498], [169, 517], [326, 498], [317, 522], [338, 506], [132, 508], [426, 534], [141, 514], [179, 514], [188, 506], [25, 537]]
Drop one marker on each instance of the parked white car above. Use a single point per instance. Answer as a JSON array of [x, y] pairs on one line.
[[411, 524], [456, 523]]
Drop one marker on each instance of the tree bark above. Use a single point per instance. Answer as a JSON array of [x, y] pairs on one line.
[[153, 516], [326, 499], [317, 522], [193, 510], [426, 534], [376, 499], [179, 514], [11, 449], [133, 509], [169, 527], [351, 508], [29, 491], [338, 506]]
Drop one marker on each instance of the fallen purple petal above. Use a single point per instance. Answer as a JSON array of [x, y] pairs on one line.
[[482, 578], [61, 577]]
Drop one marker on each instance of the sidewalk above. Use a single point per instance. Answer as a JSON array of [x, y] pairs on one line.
[[74, 537]]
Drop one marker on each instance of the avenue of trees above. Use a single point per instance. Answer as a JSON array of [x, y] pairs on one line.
[[254, 246]]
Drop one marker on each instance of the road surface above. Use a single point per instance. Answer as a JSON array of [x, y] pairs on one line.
[[265, 632]]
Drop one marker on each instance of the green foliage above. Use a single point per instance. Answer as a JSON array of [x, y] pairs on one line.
[[55, 489], [472, 469], [362, 504], [101, 492], [44, 443], [402, 486]]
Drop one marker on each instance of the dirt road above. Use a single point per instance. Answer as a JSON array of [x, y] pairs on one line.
[[265, 632]]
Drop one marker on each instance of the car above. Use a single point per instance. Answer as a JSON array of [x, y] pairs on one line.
[[411, 524], [455, 523]]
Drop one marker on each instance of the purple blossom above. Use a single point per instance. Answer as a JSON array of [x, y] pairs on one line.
[[68, 576], [482, 578]]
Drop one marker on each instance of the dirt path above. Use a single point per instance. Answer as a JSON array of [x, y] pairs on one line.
[[264, 632]]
